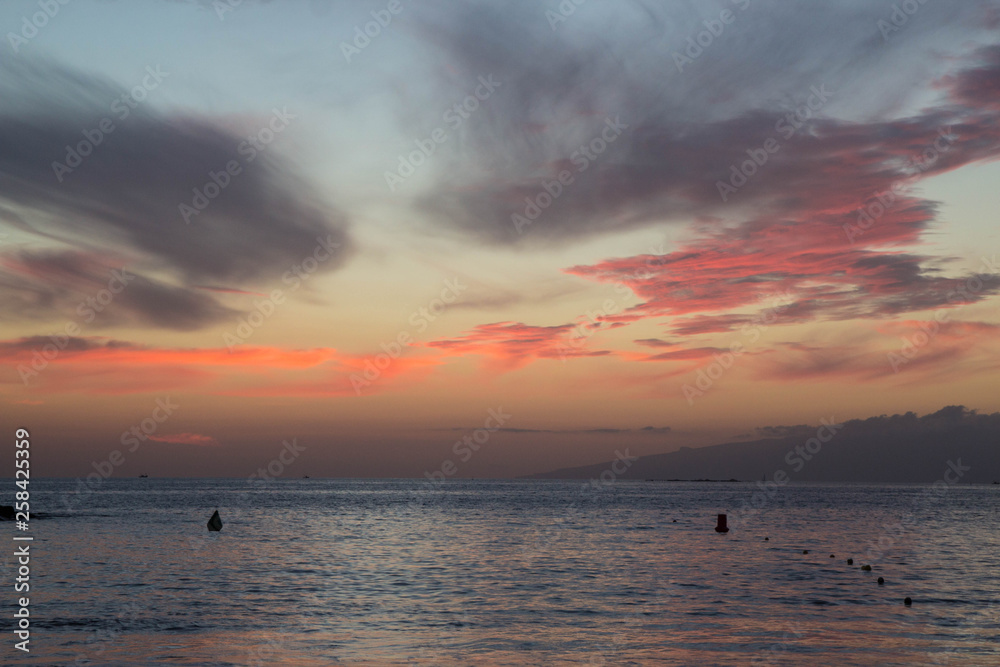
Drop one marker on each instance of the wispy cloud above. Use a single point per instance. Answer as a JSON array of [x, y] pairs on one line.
[[125, 194], [186, 439]]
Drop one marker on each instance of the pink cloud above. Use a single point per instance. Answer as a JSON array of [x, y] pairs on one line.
[[510, 345]]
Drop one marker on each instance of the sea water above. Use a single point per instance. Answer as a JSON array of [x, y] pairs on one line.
[[381, 572]]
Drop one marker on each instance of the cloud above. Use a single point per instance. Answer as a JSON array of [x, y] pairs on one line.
[[705, 324], [108, 366], [921, 350], [647, 430], [21, 348], [681, 354], [88, 288], [510, 345], [711, 275], [559, 86], [947, 416], [978, 87], [187, 439], [829, 226], [126, 193], [655, 342]]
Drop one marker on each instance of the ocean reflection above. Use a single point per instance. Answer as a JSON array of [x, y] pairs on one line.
[[317, 572]]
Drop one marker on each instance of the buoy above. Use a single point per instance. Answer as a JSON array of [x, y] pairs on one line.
[[767, 539], [832, 556], [675, 520], [866, 567], [805, 551], [850, 561], [722, 527], [215, 523], [907, 601], [881, 581]]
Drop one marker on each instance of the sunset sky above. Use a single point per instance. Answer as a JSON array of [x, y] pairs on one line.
[[632, 224]]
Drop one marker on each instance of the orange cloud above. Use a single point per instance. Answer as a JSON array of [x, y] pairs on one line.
[[511, 345], [116, 367]]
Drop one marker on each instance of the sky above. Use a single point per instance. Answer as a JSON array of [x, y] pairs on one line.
[[474, 239]]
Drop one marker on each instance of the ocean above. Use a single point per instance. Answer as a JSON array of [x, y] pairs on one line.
[[393, 572]]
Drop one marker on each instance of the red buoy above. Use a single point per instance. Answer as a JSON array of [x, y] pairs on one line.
[[722, 527]]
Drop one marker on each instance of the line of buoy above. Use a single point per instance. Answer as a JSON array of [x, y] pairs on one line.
[[721, 527]]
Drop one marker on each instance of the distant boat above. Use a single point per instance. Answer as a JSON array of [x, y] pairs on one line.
[[143, 475], [305, 476]]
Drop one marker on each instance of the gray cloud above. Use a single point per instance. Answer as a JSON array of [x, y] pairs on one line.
[[40, 285], [12, 348], [648, 430], [125, 195], [685, 128], [128, 190]]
